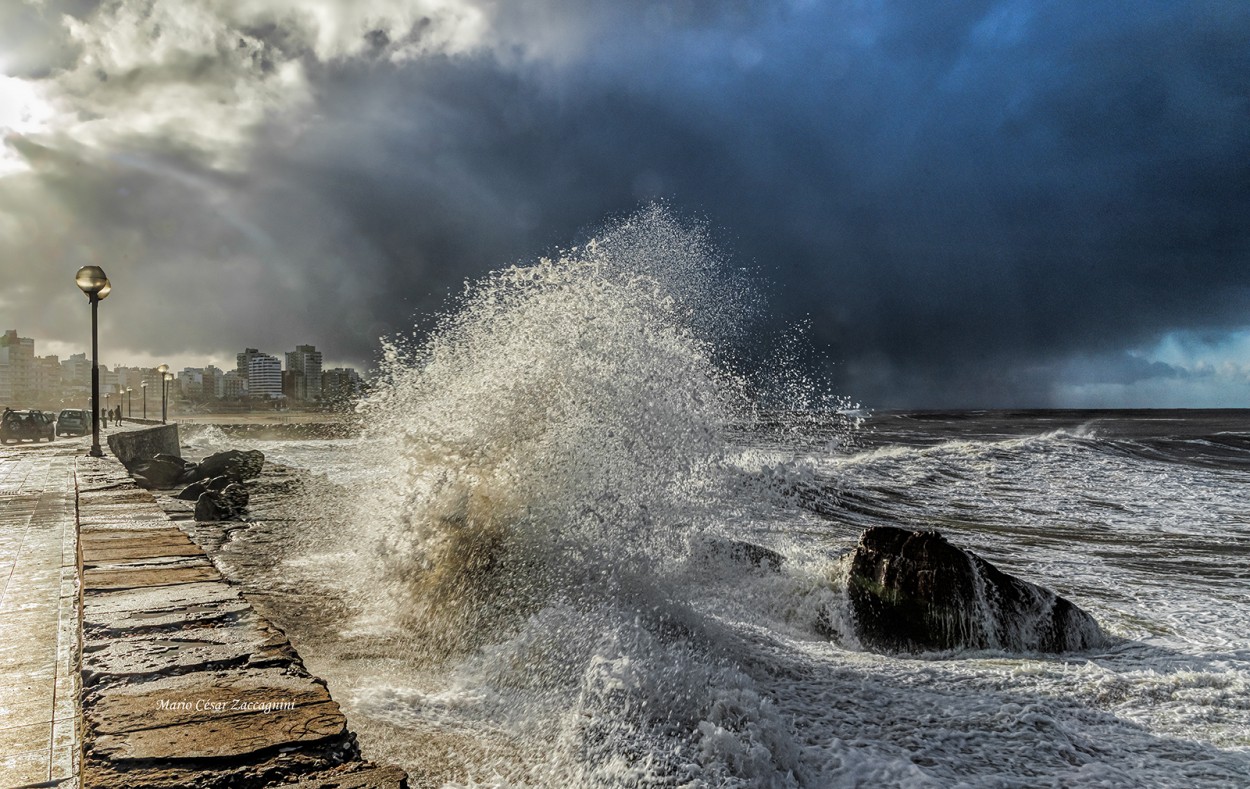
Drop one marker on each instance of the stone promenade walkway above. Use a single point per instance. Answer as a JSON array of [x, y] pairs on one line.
[[127, 660], [38, 615]]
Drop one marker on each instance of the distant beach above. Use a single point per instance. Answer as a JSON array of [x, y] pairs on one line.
[[265, 418]]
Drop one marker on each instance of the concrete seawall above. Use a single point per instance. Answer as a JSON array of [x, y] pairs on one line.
[[130, 445]]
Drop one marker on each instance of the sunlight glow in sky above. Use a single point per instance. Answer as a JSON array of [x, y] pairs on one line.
[[23, 110]]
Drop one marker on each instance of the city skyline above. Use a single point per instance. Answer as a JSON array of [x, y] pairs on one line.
[[27, 375], [224, 359]]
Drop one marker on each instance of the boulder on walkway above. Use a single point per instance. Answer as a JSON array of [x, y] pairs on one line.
[[913, 591]]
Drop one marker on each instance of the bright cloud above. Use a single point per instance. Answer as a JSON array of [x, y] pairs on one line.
[[23, 110]]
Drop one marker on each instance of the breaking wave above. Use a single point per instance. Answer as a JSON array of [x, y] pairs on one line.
[[556, 456]]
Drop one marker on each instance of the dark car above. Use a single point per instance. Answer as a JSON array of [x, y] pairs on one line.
[[26, 425], [73, 422]]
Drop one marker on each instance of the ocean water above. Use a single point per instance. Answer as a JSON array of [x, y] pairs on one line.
[[511, 579]]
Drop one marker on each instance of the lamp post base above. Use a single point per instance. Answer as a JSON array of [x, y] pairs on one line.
[[95, 452]]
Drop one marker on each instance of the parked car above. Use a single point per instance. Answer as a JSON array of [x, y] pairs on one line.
[[26, 425], [73, 422]]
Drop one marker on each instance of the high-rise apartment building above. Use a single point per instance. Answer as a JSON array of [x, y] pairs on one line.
[[48, 375], [212, 381], [264, 375], [191, 383], [243, 361], [339, 386], [17, 369], [230, 386], [76, 371], [303, 367]]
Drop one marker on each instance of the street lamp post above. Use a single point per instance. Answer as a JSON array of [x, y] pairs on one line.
[[92, 281], [130, 411], [164, 371], [169, 379], [144, 386]]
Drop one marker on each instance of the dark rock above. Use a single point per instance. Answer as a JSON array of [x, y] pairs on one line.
[[234, 498], [222, 505], [914, 591], [206, 507], [192, 492], [161, 472], [238, 465]]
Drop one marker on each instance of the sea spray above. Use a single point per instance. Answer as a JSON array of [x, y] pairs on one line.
[[552, 452], [554, 429]]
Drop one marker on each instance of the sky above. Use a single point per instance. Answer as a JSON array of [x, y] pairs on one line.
[[1031, 203]]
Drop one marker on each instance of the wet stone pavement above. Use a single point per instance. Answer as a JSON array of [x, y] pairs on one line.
[[38, 617], [128, 660]]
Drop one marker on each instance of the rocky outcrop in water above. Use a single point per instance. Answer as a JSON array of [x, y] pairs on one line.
[[193, 491], [214, 484], [238, 465], [160, 472], [913, 591]]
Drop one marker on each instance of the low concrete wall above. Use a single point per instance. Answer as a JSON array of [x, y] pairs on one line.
[[140, 421], [131, 445]]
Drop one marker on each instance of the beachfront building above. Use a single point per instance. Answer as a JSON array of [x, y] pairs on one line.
[[132, 377], [109, 381], [211, 381], [264, 376], [230, 386], [17, 370], [303, 374], [340, 386], [76, 372], [243, 361], [191, 383]]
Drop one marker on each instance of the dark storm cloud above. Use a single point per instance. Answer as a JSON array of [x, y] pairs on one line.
[[1123, 369], [959, 200], [962, 197]]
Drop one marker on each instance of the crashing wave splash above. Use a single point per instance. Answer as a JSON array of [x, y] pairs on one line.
[[552, 451]]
